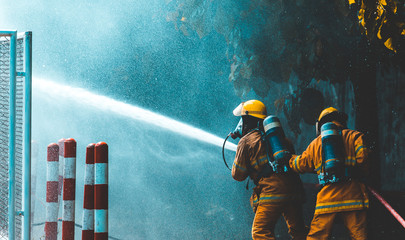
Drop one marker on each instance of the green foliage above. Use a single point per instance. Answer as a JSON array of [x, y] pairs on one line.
[[384, 19]]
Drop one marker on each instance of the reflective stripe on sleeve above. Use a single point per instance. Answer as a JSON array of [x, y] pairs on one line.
[[358, 148], [295, 165], [239, 167]]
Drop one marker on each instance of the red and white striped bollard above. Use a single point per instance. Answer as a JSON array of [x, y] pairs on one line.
[[101, 192], [61, 144], [52, 168], [88, 198], [69, 184]]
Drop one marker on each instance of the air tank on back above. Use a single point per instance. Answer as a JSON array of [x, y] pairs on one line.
[[277, 145], [332, 153]]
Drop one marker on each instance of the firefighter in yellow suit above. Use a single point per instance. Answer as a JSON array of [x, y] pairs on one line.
[[275, 194], [346, 198]]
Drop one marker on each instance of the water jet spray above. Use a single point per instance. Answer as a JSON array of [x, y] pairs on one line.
[[83, 96]]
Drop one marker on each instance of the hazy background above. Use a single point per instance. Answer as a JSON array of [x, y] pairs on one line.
[[128, 50]]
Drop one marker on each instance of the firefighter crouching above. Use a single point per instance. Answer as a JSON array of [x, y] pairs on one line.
[[276, 193], [339, 157]]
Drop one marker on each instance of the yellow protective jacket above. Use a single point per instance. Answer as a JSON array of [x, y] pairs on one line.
[[249, 161], [343, 196]]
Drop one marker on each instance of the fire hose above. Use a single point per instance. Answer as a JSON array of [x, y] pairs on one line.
[[223, 153], [386, 205]]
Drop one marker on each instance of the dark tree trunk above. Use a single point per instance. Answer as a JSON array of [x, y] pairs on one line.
[[365, 88]]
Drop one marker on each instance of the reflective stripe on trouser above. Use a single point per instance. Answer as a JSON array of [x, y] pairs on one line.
[[355, 222], [267, 215]]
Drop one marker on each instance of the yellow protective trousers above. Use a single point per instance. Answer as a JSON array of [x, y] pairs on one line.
[[267, 215], [354, 221]]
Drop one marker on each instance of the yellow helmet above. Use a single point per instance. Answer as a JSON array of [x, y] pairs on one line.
[[253, 108], [326, 111], [330, 114]]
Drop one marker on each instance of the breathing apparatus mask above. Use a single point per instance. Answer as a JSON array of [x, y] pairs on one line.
[[237, 133], [244, 126]]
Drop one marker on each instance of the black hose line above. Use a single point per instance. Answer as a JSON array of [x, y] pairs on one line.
[[223, 152]]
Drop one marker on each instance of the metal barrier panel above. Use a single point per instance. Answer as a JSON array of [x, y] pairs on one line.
[[15, 134]]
